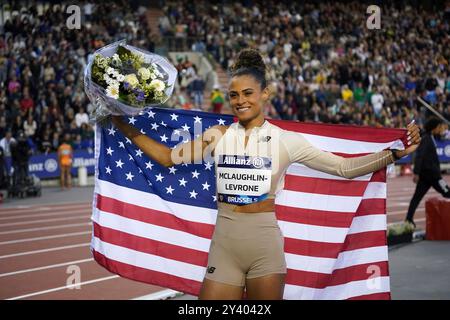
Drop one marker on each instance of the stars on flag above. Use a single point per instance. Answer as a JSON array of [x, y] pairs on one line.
[[169, 190], [139, 153], [163, 138], [197, 119], [119, 164], [149, 165], [208, 166], [206, 186], [132, 120], [111, 131], [143, 174], [182, 182], [172, 170], [193, 194], [151, 114], [195, 174], [109, 151]]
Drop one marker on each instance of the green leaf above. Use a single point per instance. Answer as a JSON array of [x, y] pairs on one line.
[[122, 51]]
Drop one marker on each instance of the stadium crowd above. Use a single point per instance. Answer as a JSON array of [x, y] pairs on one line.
[[325, 63], [42, 67]]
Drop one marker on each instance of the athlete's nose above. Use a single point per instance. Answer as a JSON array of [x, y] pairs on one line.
[[241, 100]]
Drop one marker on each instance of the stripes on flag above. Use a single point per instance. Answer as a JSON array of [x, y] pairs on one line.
[[334, 228]]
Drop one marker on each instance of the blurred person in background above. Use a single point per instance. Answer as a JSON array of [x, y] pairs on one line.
[[427, 171], [65, 156], [6, 142], [20, 154], [217, 99]]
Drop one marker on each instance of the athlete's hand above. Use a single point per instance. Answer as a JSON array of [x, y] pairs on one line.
[[413, 140]]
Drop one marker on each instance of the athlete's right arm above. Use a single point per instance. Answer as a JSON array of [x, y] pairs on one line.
[[189, 152]]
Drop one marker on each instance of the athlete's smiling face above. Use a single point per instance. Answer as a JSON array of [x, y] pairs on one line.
[[247, 98]]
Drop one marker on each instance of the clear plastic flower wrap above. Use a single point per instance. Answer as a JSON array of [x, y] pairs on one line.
[[120, 79]]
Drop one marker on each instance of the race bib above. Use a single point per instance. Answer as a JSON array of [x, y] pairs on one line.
[[243, 179]]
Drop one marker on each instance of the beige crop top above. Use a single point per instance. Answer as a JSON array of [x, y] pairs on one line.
[[251, 173]]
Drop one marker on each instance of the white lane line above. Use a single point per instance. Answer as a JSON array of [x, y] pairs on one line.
[[45, 250], [47, 228], [45, 267], [62, 288], [160, 295], [47, 237], [43, 221], [60, 213], [30, 209]]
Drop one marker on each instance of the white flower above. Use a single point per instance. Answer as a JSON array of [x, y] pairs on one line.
[[153, 76], [106, 77], [110, 70], [144, 73], [112, 91], [114, 83], [115, 56], [120, 77], [131, 79], [158, 85]]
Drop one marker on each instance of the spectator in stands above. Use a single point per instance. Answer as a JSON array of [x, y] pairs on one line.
[[5, 143], [377, 101], [30, 126], [81, 117], [197, 86]]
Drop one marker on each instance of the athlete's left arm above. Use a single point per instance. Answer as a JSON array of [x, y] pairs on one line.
[[349, 168]]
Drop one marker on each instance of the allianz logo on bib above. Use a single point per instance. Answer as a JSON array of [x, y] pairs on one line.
[[244, 162], [236, 160]]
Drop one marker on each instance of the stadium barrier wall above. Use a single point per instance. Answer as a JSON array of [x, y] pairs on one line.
[[45, 166]]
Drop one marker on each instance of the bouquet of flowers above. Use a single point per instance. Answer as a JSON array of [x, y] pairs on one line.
[[123, 80]]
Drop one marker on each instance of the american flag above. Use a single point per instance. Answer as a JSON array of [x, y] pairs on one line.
[[154, 224]]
